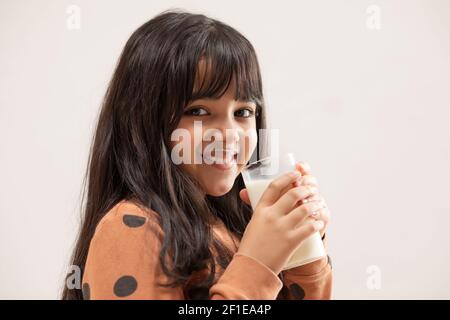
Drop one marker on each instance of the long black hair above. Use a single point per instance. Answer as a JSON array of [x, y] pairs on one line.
[[130, 152]]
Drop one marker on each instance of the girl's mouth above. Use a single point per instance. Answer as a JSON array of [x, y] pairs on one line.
[[222, 159]]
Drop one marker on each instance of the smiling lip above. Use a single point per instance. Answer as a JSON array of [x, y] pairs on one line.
[[227, 162], [225, 166]]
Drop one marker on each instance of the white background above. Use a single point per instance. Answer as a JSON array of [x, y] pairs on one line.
[[368, 109]]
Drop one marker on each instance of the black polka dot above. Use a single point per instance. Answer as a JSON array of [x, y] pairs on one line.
[[133, 221], [125, 286], [329, 262], [297, 292], [86, 290]]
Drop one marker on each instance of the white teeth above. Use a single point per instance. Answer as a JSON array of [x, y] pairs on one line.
[[224, 156]]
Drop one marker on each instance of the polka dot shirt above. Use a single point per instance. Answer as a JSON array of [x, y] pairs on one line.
[[123, 263]]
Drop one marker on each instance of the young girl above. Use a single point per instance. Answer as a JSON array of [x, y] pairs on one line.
[[156, 229]]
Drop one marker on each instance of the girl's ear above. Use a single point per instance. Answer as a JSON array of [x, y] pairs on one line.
[[244, 196]]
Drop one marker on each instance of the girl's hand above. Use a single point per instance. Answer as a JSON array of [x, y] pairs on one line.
[[306, 179], [280, 222], [309, 180]]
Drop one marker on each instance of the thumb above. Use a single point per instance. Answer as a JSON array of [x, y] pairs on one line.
[[244, 196]]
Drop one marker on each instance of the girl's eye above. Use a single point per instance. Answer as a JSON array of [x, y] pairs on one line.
[[245, 113], [196, 112]]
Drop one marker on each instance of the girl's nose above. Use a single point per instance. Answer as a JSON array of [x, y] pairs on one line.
[[230, 135]]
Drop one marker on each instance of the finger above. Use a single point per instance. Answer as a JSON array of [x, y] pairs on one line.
[[277, 186], [305, 230], [324, 213], [311, 209], [313, 197], [296, 183], [243, 194], [304, 167], [309, 180], [291, 198]]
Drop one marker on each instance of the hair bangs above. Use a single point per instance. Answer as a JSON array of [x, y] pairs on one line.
[[227, 58]]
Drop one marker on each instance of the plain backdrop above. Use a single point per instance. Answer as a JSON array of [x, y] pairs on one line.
[[359, 89]]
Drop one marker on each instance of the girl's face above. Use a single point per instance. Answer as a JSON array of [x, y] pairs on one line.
[[234, 124]]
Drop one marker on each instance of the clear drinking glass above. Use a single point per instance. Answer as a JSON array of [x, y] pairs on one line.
[[257, 176]]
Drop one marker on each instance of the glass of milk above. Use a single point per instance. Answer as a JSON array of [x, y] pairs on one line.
[[257, 176]]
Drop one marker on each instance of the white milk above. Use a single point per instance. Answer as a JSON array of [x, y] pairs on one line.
[[311, 249], [256, 189]]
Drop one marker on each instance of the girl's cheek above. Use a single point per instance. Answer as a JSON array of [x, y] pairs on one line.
[[248, 143], [252, 143]]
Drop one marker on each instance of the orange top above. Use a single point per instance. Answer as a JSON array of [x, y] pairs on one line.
[[123, 263]]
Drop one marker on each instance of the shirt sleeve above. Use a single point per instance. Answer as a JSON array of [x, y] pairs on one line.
[[123, 263], [246, 278], [312, 281]]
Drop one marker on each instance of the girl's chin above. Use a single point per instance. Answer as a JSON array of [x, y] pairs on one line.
[[219, 186], [219, 190], [218, 182]]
